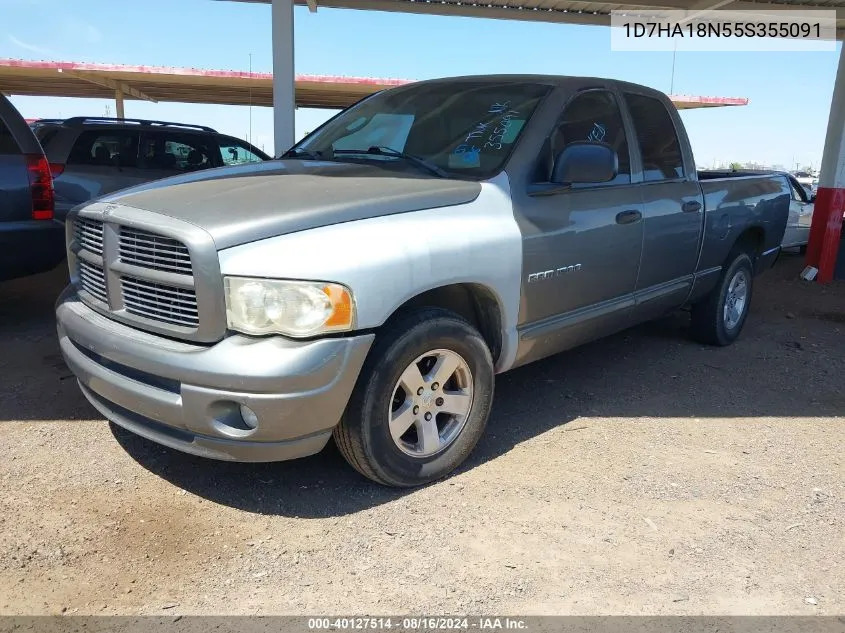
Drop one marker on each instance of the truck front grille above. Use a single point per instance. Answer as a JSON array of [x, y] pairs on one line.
[[89, 234], [177, 306], [93, 280], [142, 248], [138, 276]]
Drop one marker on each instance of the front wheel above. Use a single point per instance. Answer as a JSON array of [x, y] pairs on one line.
[[421, 402], [719, 317]]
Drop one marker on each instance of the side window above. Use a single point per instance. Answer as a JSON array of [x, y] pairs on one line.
[[177, 151], [234, 152], [8, 145], [108, 147], [797, 191], [657, 137], [594, 117]]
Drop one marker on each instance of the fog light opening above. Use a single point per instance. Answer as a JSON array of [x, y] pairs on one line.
[[249, 417]]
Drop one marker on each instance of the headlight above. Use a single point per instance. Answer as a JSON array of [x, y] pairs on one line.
[[294, 308]]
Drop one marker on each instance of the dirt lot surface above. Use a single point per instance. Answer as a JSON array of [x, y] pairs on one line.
[[640, 474]]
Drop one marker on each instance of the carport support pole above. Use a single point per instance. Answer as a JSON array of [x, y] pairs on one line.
[[284, 105], [118, 102], [826, 229]]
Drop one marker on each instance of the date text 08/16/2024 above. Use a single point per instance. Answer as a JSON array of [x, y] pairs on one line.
[[795, 30], [421, 623]]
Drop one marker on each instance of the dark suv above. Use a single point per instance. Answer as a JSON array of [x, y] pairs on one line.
[[92, 156], [31, 241]]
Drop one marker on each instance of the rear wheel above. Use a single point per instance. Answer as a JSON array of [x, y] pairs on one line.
[[422, 400], [718, 319]]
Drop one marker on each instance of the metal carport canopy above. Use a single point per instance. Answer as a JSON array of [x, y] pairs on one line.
[[825, 245], [226, 87], [566, 11]]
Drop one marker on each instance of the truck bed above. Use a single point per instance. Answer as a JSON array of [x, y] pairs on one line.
[[737, 199]]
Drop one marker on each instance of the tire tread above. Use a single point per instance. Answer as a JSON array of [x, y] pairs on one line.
[[705, 317], [348, 436]]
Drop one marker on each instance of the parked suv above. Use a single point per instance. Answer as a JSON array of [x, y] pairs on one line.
[[93, 156], [31, 241]]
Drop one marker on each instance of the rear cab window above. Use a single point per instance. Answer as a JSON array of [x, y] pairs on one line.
[[657, 137]]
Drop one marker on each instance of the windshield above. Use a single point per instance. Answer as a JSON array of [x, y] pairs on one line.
[[460, 129]]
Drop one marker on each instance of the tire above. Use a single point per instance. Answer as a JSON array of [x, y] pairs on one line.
[[711, 323], [364, 435]]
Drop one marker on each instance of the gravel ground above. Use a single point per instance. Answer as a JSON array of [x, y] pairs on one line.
[[642, 474]]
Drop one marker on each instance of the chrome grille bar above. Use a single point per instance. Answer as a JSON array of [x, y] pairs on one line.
[[89, 234], [142, 248], [93, 280], [150, 300]]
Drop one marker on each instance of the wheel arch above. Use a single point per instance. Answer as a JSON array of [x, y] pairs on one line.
[[479, 304], [751, 240]]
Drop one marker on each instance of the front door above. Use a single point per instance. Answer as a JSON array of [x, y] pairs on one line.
[[581, 247]]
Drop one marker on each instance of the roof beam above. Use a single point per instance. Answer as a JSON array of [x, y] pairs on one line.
[[117, 86], [700, 8]]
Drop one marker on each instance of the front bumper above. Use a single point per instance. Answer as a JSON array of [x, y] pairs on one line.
[[188, 396]]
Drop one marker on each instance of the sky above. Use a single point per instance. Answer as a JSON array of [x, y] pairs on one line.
[[785, 122]]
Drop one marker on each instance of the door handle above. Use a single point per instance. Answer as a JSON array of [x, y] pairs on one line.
[[627, 217], [691, 206]]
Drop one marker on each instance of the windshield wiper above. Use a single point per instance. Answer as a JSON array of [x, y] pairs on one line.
[[299, 152], [389, 151]]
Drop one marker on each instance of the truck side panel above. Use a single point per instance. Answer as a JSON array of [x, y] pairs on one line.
[[757, 205], [389, 260]]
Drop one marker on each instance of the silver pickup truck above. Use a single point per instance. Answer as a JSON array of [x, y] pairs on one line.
[[370, 284]]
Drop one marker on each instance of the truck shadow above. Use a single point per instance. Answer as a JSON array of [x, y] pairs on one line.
[[787, 363], [652, 371]]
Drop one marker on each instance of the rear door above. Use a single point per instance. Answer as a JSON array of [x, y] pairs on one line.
[[673, 206]]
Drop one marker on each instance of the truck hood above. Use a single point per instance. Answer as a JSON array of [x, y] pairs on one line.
[[241, 204]]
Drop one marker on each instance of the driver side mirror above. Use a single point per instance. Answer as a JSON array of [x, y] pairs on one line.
[[583, 162]]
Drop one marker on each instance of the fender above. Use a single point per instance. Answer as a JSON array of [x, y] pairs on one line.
[[386, 261]]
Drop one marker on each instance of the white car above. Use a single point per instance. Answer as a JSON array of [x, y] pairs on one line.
[[807, 179], [797, 232]]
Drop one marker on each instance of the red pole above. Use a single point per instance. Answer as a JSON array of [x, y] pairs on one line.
[[826, 229]]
